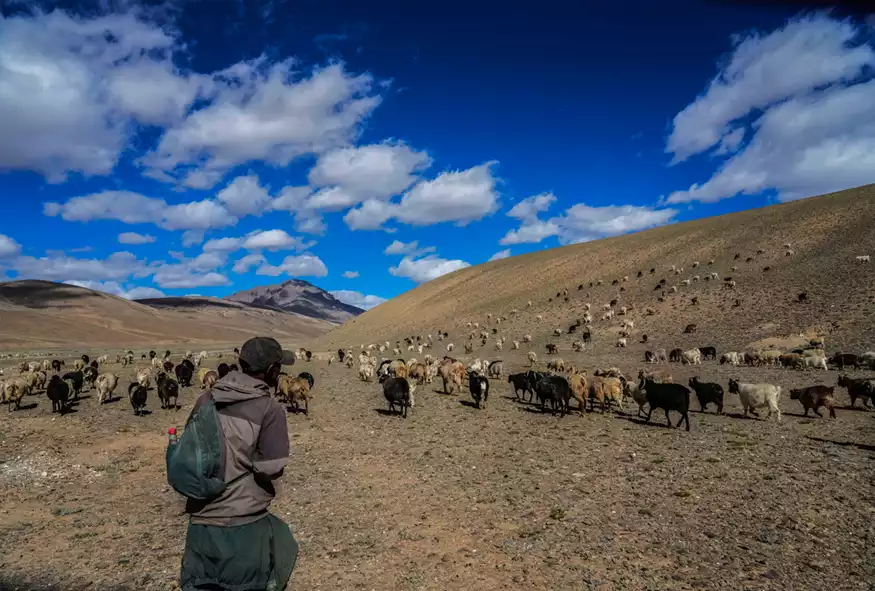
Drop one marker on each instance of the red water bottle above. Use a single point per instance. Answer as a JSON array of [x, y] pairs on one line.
[[171, 433]]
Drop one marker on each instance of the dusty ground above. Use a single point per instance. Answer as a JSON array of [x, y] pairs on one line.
[[455, 498]]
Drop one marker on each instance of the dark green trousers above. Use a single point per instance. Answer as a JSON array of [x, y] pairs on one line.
[[258, 556]]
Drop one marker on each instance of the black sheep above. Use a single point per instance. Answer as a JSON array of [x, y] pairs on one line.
[[85, 359], [138, 395], [533, 377], [341, 354], [94, 364], [707, 393], [183, 373], [554, 389], [152, 354], [479, 388], [76, 378], [188, 364], [309, 355], [668, 397], [586, 336], [520, 382], [708, 352], [396, 391], [167, 389], [223, 369], [234, 367], [858, 388], [842, 359], [56, 365], [58, 391]]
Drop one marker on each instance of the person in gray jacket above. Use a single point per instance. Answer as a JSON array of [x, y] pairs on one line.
[[233, 542]]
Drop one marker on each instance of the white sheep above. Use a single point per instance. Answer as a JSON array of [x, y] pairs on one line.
[[815, 362], [144, 377], [533, 357], [696, 278], [557, 332], [578, 346], [622, 311], [691, 357], [516, 345], [621, 342], [730, 357], [450, 347], [527, 338], [863, 258], [106, 384], [539, 318], [587, 307], [529, 304], [366, 372], [695, 264], [587, 318], [753, 396], [685, 282]]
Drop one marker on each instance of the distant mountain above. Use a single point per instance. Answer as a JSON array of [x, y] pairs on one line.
[[42, 314], [300, 297]]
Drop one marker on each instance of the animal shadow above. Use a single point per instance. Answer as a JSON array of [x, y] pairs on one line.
[[28, 406], [863, 446], [468, 403], [387, 413]]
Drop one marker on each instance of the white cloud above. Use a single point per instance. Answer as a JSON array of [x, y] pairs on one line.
[[273, 240], [8, 246], [134, 238], [582, 222], [244, 196], [374, 171], [73, 87], [501, 254], [133, 208], [529, 208], [141, 293], [350, 274], [811, 130], [358, 299], [248, 261], [117, 266], [291, 199], [331, 199], [181, 279], [370, 215], [459, 196], [192, 237], [304, 265], [266, 112], [530, 232], [409, 248], [426, 268], [223, 245]]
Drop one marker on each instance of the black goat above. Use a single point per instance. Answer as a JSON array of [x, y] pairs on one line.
[[396, 391], [183, 373], [520, 383], [555, 390], [668, 397], [708, 352], [479, 387], [223, 369], [58, 391], [167, 389], [138, 395], [707, 393], [76, 379]]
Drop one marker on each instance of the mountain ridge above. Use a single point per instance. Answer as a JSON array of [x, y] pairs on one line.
[[299, 297]]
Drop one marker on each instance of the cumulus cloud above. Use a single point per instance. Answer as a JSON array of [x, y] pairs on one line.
[[350, 274], [134, 238], [133, 208], [177, 278], [265, 112], [273, 240], [426, 268], [117, 266], [459, 196], [532, 231], [227, 244], [409, 248], [580, 222], [8, 246], [244, 196], [370, 215], [808, 130], [530, 207], [117, 289], [248, 261], [358, 299], [72, 88], [501, 254], [304, 265], [373, 171]]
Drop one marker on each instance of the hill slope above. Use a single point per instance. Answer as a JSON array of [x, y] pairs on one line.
[[42, 314], [826, 233], [300, 297]]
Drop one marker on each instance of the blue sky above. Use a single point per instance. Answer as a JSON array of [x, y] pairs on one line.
[[209, 147]]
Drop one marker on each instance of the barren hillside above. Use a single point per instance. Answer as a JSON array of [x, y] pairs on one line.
[[42, 314], [297, 296], [825, 234]]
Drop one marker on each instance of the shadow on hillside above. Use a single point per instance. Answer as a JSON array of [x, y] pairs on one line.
[[863, 446], [186, 303], [39, 295]]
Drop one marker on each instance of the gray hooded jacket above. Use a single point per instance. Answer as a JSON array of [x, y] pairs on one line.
[[256, 451]]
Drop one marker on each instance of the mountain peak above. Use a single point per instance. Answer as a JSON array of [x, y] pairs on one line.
[[300, 297]]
